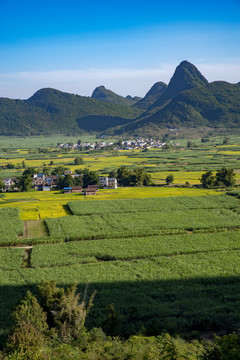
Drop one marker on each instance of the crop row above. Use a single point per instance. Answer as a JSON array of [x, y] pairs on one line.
[[10, 258], [141, 223], [10, 225], [153, 204], [80, 252]]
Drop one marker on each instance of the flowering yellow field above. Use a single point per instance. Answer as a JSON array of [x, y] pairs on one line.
[[40, 205], [94, 162], [180, 177]]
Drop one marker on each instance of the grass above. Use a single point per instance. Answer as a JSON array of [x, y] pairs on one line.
[[41, 141], [35, 229]]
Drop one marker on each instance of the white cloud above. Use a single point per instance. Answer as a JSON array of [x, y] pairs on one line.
[[218, 71], [135, 82]]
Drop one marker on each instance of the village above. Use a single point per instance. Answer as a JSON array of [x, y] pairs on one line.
[[120, 145]]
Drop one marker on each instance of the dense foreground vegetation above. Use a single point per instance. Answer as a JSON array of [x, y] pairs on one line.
[[53, 327]]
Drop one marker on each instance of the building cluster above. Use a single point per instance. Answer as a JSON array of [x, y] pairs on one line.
[[90, 190], [141, 144], [124, 145], [104, 183], [42, 182], [85, 145]]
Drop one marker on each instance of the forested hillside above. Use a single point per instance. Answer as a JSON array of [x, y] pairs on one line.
[[188, 101]]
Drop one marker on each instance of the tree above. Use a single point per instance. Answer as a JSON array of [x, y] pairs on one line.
[[225, 177], [90, 178], [2, 185], [112, 324], [30, 326], [226, 141], [78, 161], [169, 179], [66, 312], [46, 170], [140, 177], [207, 180], [10, 166], [29, 171], [78, 181], [123, 175], [59, 170], [65, 181], [113, 174], [189, 144], [25, 183], [137, 177]]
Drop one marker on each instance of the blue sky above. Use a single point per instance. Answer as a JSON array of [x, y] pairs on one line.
[[75, 46]]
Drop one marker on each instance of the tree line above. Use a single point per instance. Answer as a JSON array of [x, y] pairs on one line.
[[223, 178]]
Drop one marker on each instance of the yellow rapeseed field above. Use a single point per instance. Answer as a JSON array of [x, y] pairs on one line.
[[37, 205]]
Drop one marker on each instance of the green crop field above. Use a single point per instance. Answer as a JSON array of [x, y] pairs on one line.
[[165, 263], [155, 204], [122, 218], [83, 252], [185, 294], [167, 258], [10, 225]]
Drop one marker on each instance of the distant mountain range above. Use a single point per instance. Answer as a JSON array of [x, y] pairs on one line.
[[189, 100]]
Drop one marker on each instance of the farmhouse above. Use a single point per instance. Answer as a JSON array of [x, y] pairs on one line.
[[68, 172], [107, 183], [103, 181], [93, 187], [67, 190], [76, 189], [8, 183], [112, 183], [90, 191]]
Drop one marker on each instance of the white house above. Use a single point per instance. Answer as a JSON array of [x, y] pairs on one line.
[[112, 183], [8, 183], [103, 181]]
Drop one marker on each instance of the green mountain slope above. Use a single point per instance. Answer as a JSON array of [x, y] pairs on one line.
[[185, 77], [188, 101], [152, 96], [103, 94], [134, 98], [216, 104], [51, 111]]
